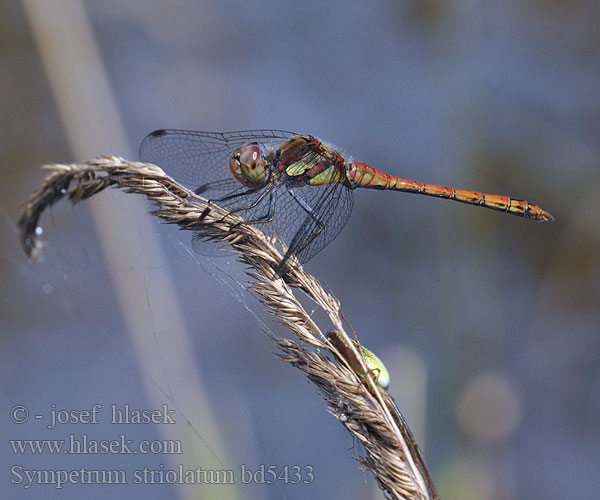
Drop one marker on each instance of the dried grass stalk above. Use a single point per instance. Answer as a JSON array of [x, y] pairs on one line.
[[366, 410]]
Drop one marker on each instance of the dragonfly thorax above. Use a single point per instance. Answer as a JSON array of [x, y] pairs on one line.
[[249, 166]]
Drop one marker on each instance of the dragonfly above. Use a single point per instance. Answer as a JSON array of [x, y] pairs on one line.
[[295, 186]]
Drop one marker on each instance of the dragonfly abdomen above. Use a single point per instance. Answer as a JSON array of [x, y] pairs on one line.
[[362, 175]]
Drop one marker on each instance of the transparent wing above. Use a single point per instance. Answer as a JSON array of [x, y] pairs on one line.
[[307, 218], [255, 207], [201, 159], [310, 217]]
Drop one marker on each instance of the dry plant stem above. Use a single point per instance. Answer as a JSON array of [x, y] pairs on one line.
[[357, 402]]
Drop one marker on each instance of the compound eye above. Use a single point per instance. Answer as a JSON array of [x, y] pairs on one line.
[[250, 155], [253, 165]]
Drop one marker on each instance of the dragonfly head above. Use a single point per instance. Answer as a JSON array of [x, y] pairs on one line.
[[248, 165]]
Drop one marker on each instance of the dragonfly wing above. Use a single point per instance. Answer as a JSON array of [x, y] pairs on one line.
[[254, 206], [200, 159], [310, 217]]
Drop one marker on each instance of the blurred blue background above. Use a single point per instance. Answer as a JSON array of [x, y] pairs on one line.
[[489, 323]]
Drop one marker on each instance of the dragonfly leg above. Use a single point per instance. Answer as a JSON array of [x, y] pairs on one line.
[[235, 195], [299, 246], [268, 217]]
